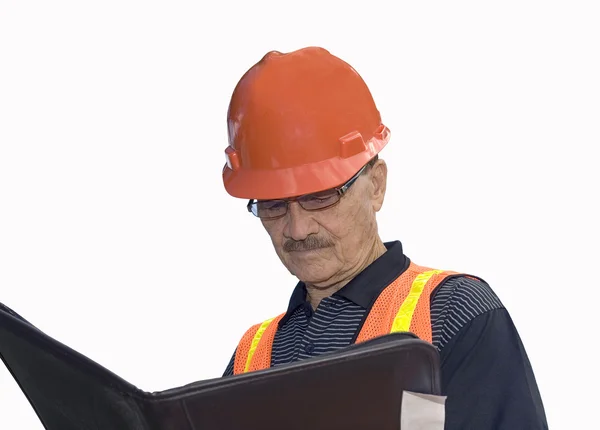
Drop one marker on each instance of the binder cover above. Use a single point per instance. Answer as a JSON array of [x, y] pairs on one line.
[[358, 387]]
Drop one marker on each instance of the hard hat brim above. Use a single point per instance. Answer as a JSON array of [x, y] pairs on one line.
[[295, 181]]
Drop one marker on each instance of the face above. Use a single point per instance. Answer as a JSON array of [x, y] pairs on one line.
[[322, 248]]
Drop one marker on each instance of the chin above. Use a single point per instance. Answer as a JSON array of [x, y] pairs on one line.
[[311, 276], [299, 264]]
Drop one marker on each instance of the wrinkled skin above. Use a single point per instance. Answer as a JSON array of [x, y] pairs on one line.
[[326, 249]]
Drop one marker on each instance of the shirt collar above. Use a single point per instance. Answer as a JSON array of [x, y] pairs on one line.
[[366, 286]]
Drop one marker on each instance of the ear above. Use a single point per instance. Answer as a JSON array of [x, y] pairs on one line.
[[378, 175]]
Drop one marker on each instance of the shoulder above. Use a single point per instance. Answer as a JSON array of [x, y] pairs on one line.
[[472, 294], [456, 302], [253, 333]]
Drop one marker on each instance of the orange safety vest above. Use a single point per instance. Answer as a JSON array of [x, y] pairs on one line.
[[397, 309]]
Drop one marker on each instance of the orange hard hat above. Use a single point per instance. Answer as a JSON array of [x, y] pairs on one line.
[[299, 123]]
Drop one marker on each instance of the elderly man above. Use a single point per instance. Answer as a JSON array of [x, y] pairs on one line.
[[304, 139]]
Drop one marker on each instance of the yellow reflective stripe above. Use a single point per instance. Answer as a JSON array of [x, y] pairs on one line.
[[405, 314], [255, 340]]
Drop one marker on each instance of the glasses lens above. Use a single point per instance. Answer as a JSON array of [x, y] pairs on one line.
[[269, 208], [275, 208], [319, 200]]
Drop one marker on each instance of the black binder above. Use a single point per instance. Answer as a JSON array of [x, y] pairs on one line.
[[359, 387]]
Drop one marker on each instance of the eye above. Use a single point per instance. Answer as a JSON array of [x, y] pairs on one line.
[[324, 199], [271, 204], [323, 196], [320, 200]]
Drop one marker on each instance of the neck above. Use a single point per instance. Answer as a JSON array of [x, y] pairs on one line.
[[317, 293]]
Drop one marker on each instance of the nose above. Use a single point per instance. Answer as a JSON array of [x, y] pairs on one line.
[[299, 223]]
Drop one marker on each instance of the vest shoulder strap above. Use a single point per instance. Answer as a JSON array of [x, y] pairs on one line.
[[403, 306], [254, 349]]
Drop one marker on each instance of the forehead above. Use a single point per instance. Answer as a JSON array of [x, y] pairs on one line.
[[342, 189]]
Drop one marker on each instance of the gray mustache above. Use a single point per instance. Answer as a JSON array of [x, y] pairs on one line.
[[308, 244]]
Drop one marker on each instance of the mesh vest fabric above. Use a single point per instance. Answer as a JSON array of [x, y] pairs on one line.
[[381, 316]]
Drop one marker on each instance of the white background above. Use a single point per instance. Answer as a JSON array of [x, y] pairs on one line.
[[118, 239]]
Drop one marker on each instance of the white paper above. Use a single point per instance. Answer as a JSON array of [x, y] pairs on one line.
[[422, 411]]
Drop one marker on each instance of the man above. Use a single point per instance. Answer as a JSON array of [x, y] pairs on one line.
[[304, 143]]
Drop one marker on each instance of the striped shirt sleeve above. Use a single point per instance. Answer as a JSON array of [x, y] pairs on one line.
[[456, 302]]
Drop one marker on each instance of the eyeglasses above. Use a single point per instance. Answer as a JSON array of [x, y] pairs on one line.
[[271, 209]]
